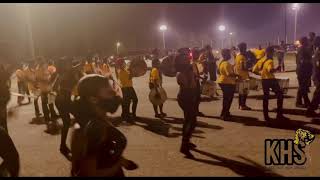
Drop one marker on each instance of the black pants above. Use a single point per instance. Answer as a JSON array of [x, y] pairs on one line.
[[188, 103], [304, 83], [281, 63], [129, 95], [36, 106], [212, 69], [273, 84], [45, 108], [228, 93], [242, 99], [315, 99], [63, 103], [21, 90], [3, 117]]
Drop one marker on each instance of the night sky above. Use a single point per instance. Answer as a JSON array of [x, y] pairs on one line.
[[75, 27]]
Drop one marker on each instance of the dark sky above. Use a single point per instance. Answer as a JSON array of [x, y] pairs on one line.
[[72, 27]]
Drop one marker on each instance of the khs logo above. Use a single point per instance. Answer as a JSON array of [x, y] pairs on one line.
[[288, 151]]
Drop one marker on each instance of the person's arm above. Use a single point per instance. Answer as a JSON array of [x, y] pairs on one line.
[[9, 154]]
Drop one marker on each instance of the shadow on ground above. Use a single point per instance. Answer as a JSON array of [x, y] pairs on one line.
[[277, 124], [271, 96], [249, 170], [162, 126]]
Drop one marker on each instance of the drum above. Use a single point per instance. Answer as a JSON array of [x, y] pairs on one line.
[[157, 98], [255, 84], [137, 67], [52, 97], [284, 84], [167, 66], [243, 87], [208, 88]]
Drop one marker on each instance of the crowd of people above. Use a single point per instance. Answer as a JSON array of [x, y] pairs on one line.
[[87, 90]]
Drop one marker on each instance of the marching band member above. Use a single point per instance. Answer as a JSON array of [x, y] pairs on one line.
[[129, 94], [242, 71], [33, 85], [53, 75], [66, 82], [43, 77], [211, 63], [195, 59], [155, 81], [88, 67], [21, 83], [227, 82], [264, 67], [187, 99], [304, 72], [316, 66], [97, 146], [10, 163]]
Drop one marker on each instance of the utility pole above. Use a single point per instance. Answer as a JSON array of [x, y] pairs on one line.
[[285, 23]]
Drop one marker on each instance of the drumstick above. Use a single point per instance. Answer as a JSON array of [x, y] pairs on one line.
[[22, 95]]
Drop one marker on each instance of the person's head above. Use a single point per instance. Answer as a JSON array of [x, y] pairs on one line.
[[259, 47], [226, 54], [64, 64], [208, 48], [120, 63], [242, 47], [312, 35], [304, 41], [282, 43], [195, 54], [156, 63], [99, 93], [317, 41], [182, 62], [270, 52]]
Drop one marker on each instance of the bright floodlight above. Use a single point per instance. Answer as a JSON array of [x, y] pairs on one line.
[[222, 28], [163, 27], [231, 33], [295, 6], [118, 44]]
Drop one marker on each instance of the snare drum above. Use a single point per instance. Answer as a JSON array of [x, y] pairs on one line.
[[208, 88], [255, 84], [51, 97], [243, 87], [284, 84]]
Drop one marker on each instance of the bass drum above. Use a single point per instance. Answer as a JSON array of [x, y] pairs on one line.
[[284, 84], [157, 98], [167, 66], [243, 87], [208, 88], [138, 67]]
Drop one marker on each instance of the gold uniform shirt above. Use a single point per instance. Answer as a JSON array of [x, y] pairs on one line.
[[20, 75], [155, 76], [265, 70], [88, 68], [124, 78], [240, 65], [226, 70]]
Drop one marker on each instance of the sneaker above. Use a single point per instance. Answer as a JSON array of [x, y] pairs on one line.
[[244, 108], [282, 117], [200, 114], [186, 152], [158, 115], [192, 146], [164, 114]]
